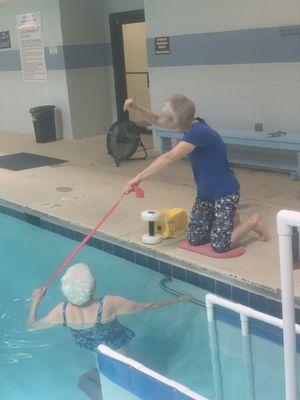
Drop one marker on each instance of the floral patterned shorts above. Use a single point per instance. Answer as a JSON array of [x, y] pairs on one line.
[[212, 221]]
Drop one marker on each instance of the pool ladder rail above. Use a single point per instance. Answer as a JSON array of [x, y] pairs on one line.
[[175, 292], [287, 220], [245, 314]]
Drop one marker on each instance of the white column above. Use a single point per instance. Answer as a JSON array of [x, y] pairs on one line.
[[285, 221]]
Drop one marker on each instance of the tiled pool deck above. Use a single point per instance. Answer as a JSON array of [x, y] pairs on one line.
[[95, 184]]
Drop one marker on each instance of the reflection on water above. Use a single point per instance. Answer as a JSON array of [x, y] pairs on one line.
[[15, 337]]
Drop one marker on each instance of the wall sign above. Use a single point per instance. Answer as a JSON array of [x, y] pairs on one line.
[[162, 45], [5, 40], [32, 47], [29, 20]]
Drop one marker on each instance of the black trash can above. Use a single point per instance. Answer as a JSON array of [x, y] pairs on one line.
[[44, 123]]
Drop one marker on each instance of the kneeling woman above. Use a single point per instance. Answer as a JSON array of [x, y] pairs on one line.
[[213, 218]]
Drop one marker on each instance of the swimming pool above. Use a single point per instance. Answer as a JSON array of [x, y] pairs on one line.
[[174, 341]]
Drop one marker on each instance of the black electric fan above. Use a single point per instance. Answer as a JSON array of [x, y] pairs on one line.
[[123, 140]]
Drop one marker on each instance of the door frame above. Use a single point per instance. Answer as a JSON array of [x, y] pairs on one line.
[[116, 20]]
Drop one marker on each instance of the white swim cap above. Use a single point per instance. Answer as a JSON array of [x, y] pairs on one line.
[[78, 284]]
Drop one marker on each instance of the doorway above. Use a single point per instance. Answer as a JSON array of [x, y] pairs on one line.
[[130, 61]]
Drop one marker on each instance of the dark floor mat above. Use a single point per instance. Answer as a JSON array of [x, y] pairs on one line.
[[22, 161]]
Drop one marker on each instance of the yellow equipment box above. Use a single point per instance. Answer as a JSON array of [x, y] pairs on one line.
[[172, 223]]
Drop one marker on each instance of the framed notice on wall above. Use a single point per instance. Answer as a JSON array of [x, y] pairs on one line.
[[32, 47], [5, 40], [162, 45]]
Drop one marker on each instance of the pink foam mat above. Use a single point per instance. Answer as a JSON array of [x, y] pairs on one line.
[[208, 251]]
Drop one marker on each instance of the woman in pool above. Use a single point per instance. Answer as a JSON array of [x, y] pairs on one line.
[[91, 321], [213, 218]]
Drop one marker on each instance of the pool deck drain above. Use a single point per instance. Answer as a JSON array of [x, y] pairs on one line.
[[64, 189], [96, 189]]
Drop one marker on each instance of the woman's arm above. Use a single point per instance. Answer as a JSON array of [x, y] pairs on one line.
[[119, 305], [179, 151], [149, 115], [53, 318]]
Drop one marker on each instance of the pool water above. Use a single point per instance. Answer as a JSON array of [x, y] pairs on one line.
[[173, 340]]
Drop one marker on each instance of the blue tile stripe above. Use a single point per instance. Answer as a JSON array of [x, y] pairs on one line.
[[261, 45], [67, 57], [230, 292]]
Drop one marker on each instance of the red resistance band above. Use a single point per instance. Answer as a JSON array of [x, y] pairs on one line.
[[139, 193]]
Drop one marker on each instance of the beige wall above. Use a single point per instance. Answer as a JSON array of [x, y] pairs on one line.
[[135, 49]]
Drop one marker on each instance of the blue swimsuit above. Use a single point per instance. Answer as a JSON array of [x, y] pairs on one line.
[[113, 334]]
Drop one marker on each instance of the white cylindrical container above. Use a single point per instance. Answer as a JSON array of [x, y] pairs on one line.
[[151, 216]]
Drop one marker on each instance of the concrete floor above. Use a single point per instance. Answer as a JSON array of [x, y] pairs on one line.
[[97, 183]]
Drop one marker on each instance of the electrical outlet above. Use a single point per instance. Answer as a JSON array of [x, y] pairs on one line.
[[53, 50], [258, 127]]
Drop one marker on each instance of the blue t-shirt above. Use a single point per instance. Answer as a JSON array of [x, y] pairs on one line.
[[209, 162]]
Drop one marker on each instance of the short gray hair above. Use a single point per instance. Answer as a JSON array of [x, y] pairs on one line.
[[78, 284], [179, 111]]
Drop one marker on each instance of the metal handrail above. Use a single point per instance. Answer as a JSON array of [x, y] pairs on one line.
[[175, 292]]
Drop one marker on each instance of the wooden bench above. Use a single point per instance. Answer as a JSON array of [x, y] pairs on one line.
[[289, 142]]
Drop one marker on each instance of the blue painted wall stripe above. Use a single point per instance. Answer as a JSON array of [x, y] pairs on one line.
[[264, 45], [67, 57], [10, 60], [87, 56]]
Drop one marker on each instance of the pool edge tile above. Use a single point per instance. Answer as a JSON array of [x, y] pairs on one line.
[[245, 297]]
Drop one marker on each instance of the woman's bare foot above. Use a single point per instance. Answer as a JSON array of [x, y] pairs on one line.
[[259, 228], [253, 223], [236, 220]]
